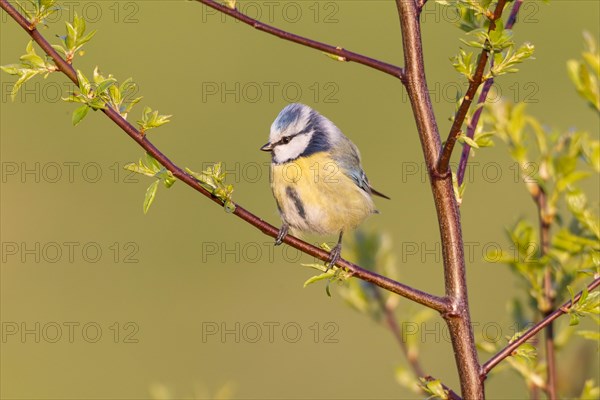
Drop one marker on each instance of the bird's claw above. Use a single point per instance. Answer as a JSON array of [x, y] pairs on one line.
[[334, 256], [282, 234]]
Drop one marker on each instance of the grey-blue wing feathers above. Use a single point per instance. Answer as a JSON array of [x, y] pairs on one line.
[[347, 156]]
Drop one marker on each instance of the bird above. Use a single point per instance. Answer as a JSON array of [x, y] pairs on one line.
[[317, 178]]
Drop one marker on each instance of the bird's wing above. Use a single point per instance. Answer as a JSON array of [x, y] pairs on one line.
[[347, 156]]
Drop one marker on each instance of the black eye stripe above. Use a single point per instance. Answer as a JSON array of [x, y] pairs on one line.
[[286, 139]]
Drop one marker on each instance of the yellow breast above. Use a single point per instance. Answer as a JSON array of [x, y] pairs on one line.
[[314, 195]]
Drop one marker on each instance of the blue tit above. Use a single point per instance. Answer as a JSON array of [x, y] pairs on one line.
[[316, 176]]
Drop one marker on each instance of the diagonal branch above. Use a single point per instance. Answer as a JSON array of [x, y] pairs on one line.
[[531, 332], [392, 323], [461, 114], [345, 55], [437, 303]]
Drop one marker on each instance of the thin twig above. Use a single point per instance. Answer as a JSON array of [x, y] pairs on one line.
[[471, 128], [545, 223], [393, 326], [413, 361], [531, 332], [345, 55], [512, 18], [458, 318], [437, 303], [464, 157], [461, 114]]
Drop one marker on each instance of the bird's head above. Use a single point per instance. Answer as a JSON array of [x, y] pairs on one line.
[[299, 131]]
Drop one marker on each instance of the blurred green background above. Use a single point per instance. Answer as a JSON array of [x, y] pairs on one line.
[[99, 301]]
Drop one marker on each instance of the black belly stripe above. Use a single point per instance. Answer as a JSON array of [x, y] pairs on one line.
[[293, 195]]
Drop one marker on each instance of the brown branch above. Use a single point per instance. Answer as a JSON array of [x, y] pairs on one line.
[[345, 55], [531, 332], [413, 361], [437, 303], [458, 318], [461, 114]]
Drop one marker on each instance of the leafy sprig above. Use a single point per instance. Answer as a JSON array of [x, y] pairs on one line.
[[74, 39], [31, 65], [434, 388], [213, 180], [152, 168], [331, 274], [589, 303], [36, 11], [585, 74], [151, 119]]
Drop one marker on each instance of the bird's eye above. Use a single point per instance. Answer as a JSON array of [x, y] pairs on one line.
[[286, 140]]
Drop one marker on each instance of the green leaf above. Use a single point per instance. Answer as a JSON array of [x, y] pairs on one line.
[[465, 139], [464, 63], [590, 391], [150, 195], [335, 56], [526, 351], [12, 69], [31, 65], [79, 114], [230, 3], [325, 275], [508, 63], [484, 139], [590, 335], [25, 75], [151, 167], [434, 388], [585, 74], [71, 36], [84, 83], [79, 24], [459, 191], [151, 119], [568, 180], [213, 180], [42, 9]]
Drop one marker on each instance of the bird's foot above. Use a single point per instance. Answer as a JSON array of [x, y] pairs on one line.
[[334, 256], [282, 233]]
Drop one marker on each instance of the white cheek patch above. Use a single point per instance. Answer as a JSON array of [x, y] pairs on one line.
[[292, 150]]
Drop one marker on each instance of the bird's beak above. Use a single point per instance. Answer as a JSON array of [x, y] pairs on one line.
[[267, 147]]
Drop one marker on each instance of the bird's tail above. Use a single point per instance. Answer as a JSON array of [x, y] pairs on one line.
[[375, 192]]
